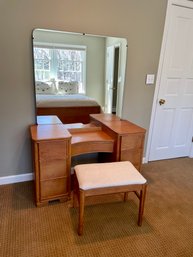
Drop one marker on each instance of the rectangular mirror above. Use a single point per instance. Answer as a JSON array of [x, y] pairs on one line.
[[78, 74]]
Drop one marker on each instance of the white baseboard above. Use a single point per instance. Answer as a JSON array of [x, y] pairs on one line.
[[16, 178], [144, 160], [191, 151]]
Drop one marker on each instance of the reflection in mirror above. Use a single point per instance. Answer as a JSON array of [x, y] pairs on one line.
[[78, 74]]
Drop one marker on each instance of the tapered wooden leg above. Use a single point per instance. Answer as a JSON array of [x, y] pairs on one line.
[[141, 204], [75, 192], [81, 212]]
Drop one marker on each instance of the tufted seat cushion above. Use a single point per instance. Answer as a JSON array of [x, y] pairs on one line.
[[101, 175]]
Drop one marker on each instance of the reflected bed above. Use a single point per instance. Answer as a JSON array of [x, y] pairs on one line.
[[71, 108]]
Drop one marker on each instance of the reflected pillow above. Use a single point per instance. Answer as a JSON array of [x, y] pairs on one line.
[[67, 87], [45, 88]]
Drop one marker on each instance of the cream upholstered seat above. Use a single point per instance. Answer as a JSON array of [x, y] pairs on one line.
[[107, 178], [98, 175]]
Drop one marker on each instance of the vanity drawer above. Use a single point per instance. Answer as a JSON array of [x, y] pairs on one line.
[[53, 150], [54, 188], [53, 169]]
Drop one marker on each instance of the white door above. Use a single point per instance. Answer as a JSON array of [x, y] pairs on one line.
[[109, 79], [173, 121]]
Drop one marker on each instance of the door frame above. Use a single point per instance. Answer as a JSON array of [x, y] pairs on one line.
[[106, 75], [119, 98], [182, 3]]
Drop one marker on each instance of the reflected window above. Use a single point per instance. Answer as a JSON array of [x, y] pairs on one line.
[[42, 57], [61, 63]]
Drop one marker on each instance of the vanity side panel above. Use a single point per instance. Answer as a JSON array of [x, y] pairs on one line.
[[35, 158], [131, 149]]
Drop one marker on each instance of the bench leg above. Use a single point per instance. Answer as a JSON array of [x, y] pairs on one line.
[[81, 212], [141, 204], [75, 192]]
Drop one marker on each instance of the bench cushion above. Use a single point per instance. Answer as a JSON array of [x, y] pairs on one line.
[[101, 175]]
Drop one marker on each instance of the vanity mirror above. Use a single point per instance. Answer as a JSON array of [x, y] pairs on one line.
[[76, 74]]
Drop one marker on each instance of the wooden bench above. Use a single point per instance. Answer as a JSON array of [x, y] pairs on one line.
[[107, 178]]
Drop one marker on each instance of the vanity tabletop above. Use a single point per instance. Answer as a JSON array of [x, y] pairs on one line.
[[49, 132], [116, 124], [94, 131]]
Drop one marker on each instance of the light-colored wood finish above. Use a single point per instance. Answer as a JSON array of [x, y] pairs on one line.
[[81, 194], [54, 145], [52, 159], [49, 132], [129, 138], [90, 140]]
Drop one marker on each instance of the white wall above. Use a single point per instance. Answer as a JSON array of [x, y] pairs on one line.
[[140, 22]]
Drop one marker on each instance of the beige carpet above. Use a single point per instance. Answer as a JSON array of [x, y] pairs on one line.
[[110, 227]]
